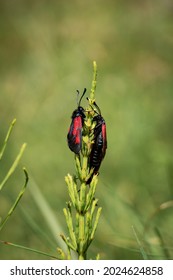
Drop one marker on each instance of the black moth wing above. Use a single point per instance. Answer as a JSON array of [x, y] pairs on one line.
[[74, 136], [100, 144]]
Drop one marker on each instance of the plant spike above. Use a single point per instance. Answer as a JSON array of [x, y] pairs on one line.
[[83, 215]]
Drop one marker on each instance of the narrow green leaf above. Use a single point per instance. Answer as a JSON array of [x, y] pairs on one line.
[[94, 204], [91, 192], [88, 227], [143, 253], [48, 214], [77, 201], [82, 197], [17, 200], [163, 245], [13, 167], [7, 137], [69, 222], [77, 227], [69, 182], [28, 249], [96, 222], [66, 240], [78, 166]]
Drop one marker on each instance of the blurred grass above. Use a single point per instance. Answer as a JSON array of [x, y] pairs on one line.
[[46, 53]]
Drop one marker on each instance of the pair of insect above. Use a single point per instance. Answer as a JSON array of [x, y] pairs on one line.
[[74, 136]]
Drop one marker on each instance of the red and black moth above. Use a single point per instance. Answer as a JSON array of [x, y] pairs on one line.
[[74, 136], [99, 147]]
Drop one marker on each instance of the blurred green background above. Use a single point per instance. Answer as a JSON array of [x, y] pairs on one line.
[[46, 52]]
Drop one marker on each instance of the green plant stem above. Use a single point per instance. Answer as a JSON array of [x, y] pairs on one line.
[[16, 201], [94, 82], [13, 167], [82, 215], [7, 138], [82, 255], [28, 249]]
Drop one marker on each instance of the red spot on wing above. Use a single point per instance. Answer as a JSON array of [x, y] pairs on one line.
[[104, 138], [77, 126]]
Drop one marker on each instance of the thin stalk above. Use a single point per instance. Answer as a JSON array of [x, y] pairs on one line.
[[83, 216], [13, 167]]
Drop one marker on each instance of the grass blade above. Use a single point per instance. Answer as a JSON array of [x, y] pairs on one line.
[[13, 167], [6, 138], [36, 229], [165, 250], [28, 249], [47, 212], [17, 200], [141, 249]]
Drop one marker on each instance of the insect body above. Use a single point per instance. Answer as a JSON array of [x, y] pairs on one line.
[[74, 136], [100, 144]]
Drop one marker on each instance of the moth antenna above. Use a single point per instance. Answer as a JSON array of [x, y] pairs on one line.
[[79, 100], [97, 108]]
